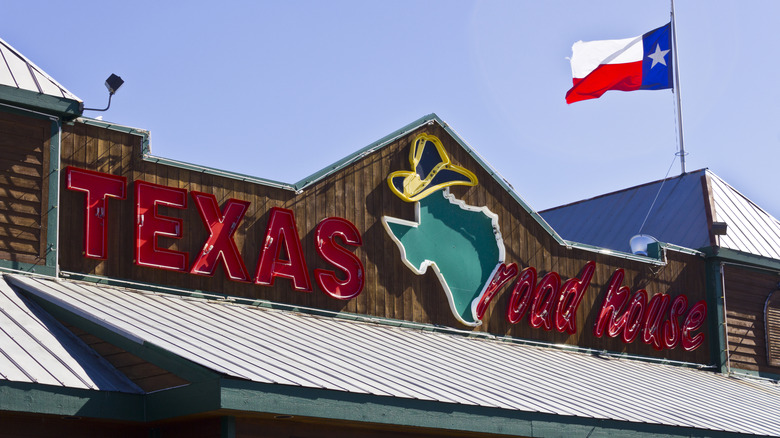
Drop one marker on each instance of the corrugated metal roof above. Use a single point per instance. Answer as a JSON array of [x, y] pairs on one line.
[[286, 348], [35, 348], [750, 228], [19, 72], [609, 221]]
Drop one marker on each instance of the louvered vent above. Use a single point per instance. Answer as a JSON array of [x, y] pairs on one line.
[[772, 321]]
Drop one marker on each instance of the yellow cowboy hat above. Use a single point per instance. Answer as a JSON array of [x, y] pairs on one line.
[[432, 171]]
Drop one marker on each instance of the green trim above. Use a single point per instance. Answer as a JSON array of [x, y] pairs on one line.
[[192, 293], [240, 396], [52, 223], [373, 147], [682, 249], [192, 399], [146, 155], [763, 375], [112, 126], [217, 172], [68, 109], [14, 266], [57, 400], [744, 258], [345, 406], [614, 253], [716, 316]]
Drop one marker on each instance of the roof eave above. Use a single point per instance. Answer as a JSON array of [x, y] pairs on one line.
[[61, 107]]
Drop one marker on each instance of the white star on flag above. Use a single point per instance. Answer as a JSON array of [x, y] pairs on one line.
[[658, 56]]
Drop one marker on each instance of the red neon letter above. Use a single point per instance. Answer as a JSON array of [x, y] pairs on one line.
[[220, 244], [634, 316], [693, 321], [569, 299], [672, 325], [656, 309], [98, 187], [503, 274], [544, 298], [282, 234], [340, 257], [150, 225], [614, 301], [521, 295]]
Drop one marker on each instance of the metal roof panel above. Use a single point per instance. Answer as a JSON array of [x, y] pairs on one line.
[[674, 209], [261, 344], [19, 72], [750, 228], [35, 348]]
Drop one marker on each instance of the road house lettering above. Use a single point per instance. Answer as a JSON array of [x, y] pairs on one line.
[[549, 303]]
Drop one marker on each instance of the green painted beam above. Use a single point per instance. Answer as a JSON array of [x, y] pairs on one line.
[[14, 266], [52, 222], [67, 109], [56, 400], [239, 395], [743, 258], [195, 398], [716, 315]]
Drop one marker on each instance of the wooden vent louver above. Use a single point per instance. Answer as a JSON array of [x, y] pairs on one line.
[[772, 322]]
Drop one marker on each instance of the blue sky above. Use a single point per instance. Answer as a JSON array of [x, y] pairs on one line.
[[281, 89]]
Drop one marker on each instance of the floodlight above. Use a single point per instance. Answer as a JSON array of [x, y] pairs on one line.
[[112, 83]]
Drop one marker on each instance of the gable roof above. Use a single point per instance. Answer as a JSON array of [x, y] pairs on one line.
[[19, 72], [750, 228], [678, 210], [25, 84]]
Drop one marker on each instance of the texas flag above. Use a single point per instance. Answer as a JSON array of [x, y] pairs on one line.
[[640, 63]]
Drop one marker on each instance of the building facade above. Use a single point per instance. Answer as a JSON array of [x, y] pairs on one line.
[[405, 290]]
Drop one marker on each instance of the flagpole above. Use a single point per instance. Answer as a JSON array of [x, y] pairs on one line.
[[676, 90]]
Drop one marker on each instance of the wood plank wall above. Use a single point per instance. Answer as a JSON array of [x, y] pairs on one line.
[[746, 293], [23, 188], [360, 194]]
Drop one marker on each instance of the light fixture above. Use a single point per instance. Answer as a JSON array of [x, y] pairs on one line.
[[640, 242], [112, 83], [719, 228]]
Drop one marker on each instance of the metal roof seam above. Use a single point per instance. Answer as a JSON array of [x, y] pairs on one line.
[[36, 343]]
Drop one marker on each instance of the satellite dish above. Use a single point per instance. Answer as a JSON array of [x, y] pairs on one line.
[[640, 242]]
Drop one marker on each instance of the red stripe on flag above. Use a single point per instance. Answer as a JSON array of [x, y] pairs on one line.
[[623, 77]]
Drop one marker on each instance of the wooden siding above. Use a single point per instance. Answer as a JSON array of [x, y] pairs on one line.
[[747, 291], [24, 145], [358, 193]]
